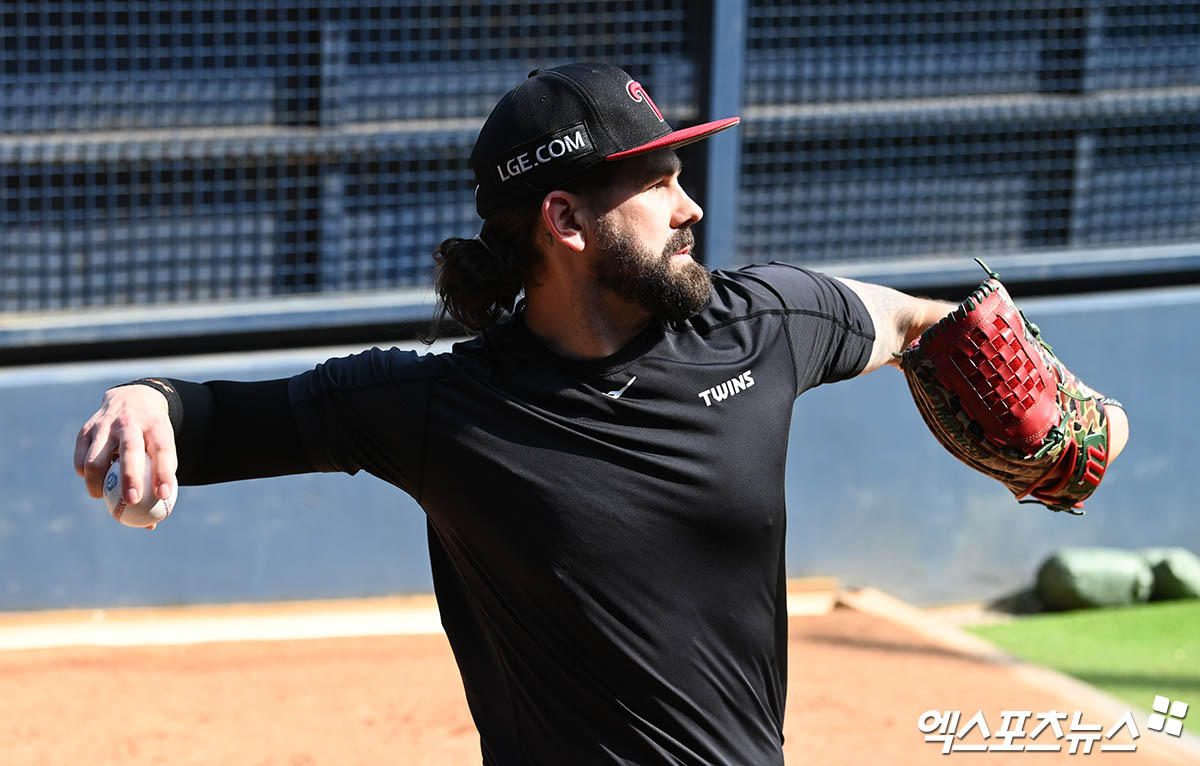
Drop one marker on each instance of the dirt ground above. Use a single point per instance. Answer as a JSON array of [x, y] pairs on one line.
[[857, 685]]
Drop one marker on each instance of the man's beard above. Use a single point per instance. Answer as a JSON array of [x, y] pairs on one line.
[[634, 273]]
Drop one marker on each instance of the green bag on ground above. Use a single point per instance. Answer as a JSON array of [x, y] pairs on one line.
[[1176, 572], [1080, 578]]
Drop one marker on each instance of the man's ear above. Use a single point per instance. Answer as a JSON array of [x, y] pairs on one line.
[[566, 219]]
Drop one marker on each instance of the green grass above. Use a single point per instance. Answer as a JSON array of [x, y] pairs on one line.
[[1132, 653]]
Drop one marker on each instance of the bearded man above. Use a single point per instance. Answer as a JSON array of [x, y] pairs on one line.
[[601, 468]]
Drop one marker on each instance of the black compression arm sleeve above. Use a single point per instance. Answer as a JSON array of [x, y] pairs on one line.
[[231, 430]]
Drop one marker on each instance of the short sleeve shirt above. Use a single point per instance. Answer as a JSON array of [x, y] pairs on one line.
[[606, 536]]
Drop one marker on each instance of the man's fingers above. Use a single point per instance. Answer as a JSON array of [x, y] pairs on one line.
[[133, 466], [97, 460], [83, 443], [1118, 430], [131, 425], [163, 461]]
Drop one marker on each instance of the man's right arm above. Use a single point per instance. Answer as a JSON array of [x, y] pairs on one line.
[[192, 433]]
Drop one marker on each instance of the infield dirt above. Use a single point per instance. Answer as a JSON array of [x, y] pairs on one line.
[[859, 679]]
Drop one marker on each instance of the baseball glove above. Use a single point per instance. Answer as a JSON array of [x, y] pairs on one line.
[[995, 395]]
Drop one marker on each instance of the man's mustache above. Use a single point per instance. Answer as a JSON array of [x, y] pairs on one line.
[[679, 240]]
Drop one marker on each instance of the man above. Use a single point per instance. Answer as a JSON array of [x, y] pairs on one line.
[[602, 469]]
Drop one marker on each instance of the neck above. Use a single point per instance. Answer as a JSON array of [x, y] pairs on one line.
[[582, 323]]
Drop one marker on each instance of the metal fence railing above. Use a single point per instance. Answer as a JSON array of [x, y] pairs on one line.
[[185, 152], [182, 152], [918, 129]]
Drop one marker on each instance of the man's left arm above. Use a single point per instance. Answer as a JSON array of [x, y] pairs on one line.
[[898, 319]]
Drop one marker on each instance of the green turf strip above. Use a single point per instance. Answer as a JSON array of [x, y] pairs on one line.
[[1133, 652]]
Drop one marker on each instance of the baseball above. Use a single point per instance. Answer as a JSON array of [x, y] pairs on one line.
[[148, 512]]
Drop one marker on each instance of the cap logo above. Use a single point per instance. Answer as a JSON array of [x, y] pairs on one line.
[[542, 151], [638, 93]]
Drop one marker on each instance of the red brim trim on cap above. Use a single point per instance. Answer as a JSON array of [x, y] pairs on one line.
[[678, 138]]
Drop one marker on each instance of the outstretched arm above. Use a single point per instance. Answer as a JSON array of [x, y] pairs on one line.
[[898, 319], [192, 433]]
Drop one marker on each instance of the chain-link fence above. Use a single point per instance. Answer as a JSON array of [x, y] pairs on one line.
[[183, 152]]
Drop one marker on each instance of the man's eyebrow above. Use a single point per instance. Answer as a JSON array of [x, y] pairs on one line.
[[660, 165]]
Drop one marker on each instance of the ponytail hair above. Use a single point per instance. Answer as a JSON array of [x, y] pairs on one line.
[[479, 279]]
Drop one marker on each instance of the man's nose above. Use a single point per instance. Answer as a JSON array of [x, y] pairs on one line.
[[688, 212]]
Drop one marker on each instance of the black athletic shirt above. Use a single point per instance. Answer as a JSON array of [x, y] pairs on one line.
[[607, 537]]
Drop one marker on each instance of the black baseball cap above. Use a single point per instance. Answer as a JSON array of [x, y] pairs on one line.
[[562, 121]]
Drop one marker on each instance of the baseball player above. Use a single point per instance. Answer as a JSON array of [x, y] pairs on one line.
[[602, 467]]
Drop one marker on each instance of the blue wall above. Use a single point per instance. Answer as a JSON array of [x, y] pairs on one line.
[[313, 536], [873, 498]]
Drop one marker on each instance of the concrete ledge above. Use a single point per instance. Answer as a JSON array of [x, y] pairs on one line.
[[811, 595], [278, 621], [407, 615]]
